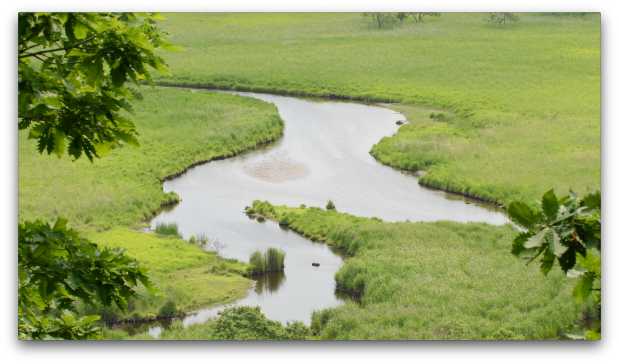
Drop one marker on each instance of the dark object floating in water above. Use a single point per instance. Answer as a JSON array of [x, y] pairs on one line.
[[400, 122], [315, 264]]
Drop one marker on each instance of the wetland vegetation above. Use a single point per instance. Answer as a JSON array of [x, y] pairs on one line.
[[498, 112]]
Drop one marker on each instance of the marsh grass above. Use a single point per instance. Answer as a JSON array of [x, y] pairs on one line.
[[439, 280], [168, 229]]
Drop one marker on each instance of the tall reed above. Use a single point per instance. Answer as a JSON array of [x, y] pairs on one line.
[[271, 261]]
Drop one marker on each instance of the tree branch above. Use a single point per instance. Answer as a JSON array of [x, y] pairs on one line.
[[66, 48]]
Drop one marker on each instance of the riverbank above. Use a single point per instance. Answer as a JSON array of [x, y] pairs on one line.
[[524, 99], [111, 199], [439, 280]]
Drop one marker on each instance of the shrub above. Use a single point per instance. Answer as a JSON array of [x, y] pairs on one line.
[[249, 323], [170, 229], [168, 309], [330, 205]]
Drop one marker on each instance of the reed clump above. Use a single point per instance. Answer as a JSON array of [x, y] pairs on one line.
[[270, 261]]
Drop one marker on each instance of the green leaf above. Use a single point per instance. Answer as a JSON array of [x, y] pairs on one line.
[[547, 261], [550, 205], [59, 143], [522, 214], [558, 248], [593, 201], [80, 30], [536, 240], [582, 289]]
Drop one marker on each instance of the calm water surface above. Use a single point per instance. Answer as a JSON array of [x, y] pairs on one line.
[[322, 156]]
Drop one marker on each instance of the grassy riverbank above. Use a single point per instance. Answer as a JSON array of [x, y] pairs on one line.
[[431, 280], [524, 98], [177, 128], [183, 273], [120, 191]]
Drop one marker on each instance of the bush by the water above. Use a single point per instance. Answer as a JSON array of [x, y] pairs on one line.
[[164, 228], [237, 323], [271, 261], [330, 205], [168, 309]]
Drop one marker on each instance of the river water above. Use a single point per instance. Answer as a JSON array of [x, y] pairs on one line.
[[322, 156]]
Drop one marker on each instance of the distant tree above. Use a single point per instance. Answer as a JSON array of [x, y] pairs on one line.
[[418, 17], [382, 20], [502, 18], [402, 16], [566, 230], [73, 75]]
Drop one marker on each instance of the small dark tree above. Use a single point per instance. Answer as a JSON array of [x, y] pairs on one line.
[[418, 17], [382, 20], [502, 18]]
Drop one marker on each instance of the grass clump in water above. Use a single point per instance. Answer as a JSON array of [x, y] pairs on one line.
[[271, 261], [170, 229]]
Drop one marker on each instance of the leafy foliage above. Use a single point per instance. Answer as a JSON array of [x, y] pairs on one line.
[[566, 230], [58, 269], [249, 323], [73, 70]]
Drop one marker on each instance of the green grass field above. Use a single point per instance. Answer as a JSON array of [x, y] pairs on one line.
[[108, 199], [525, 97], [432, 280]]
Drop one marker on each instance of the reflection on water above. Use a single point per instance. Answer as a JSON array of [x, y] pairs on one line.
[[270, 282], [322, 156]]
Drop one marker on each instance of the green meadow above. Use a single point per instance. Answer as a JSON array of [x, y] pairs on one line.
[[524, 99]]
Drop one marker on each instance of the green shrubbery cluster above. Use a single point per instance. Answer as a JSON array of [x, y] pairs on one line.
[[238, 323]]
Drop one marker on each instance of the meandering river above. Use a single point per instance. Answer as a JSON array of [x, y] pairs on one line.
[[322, 156]]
